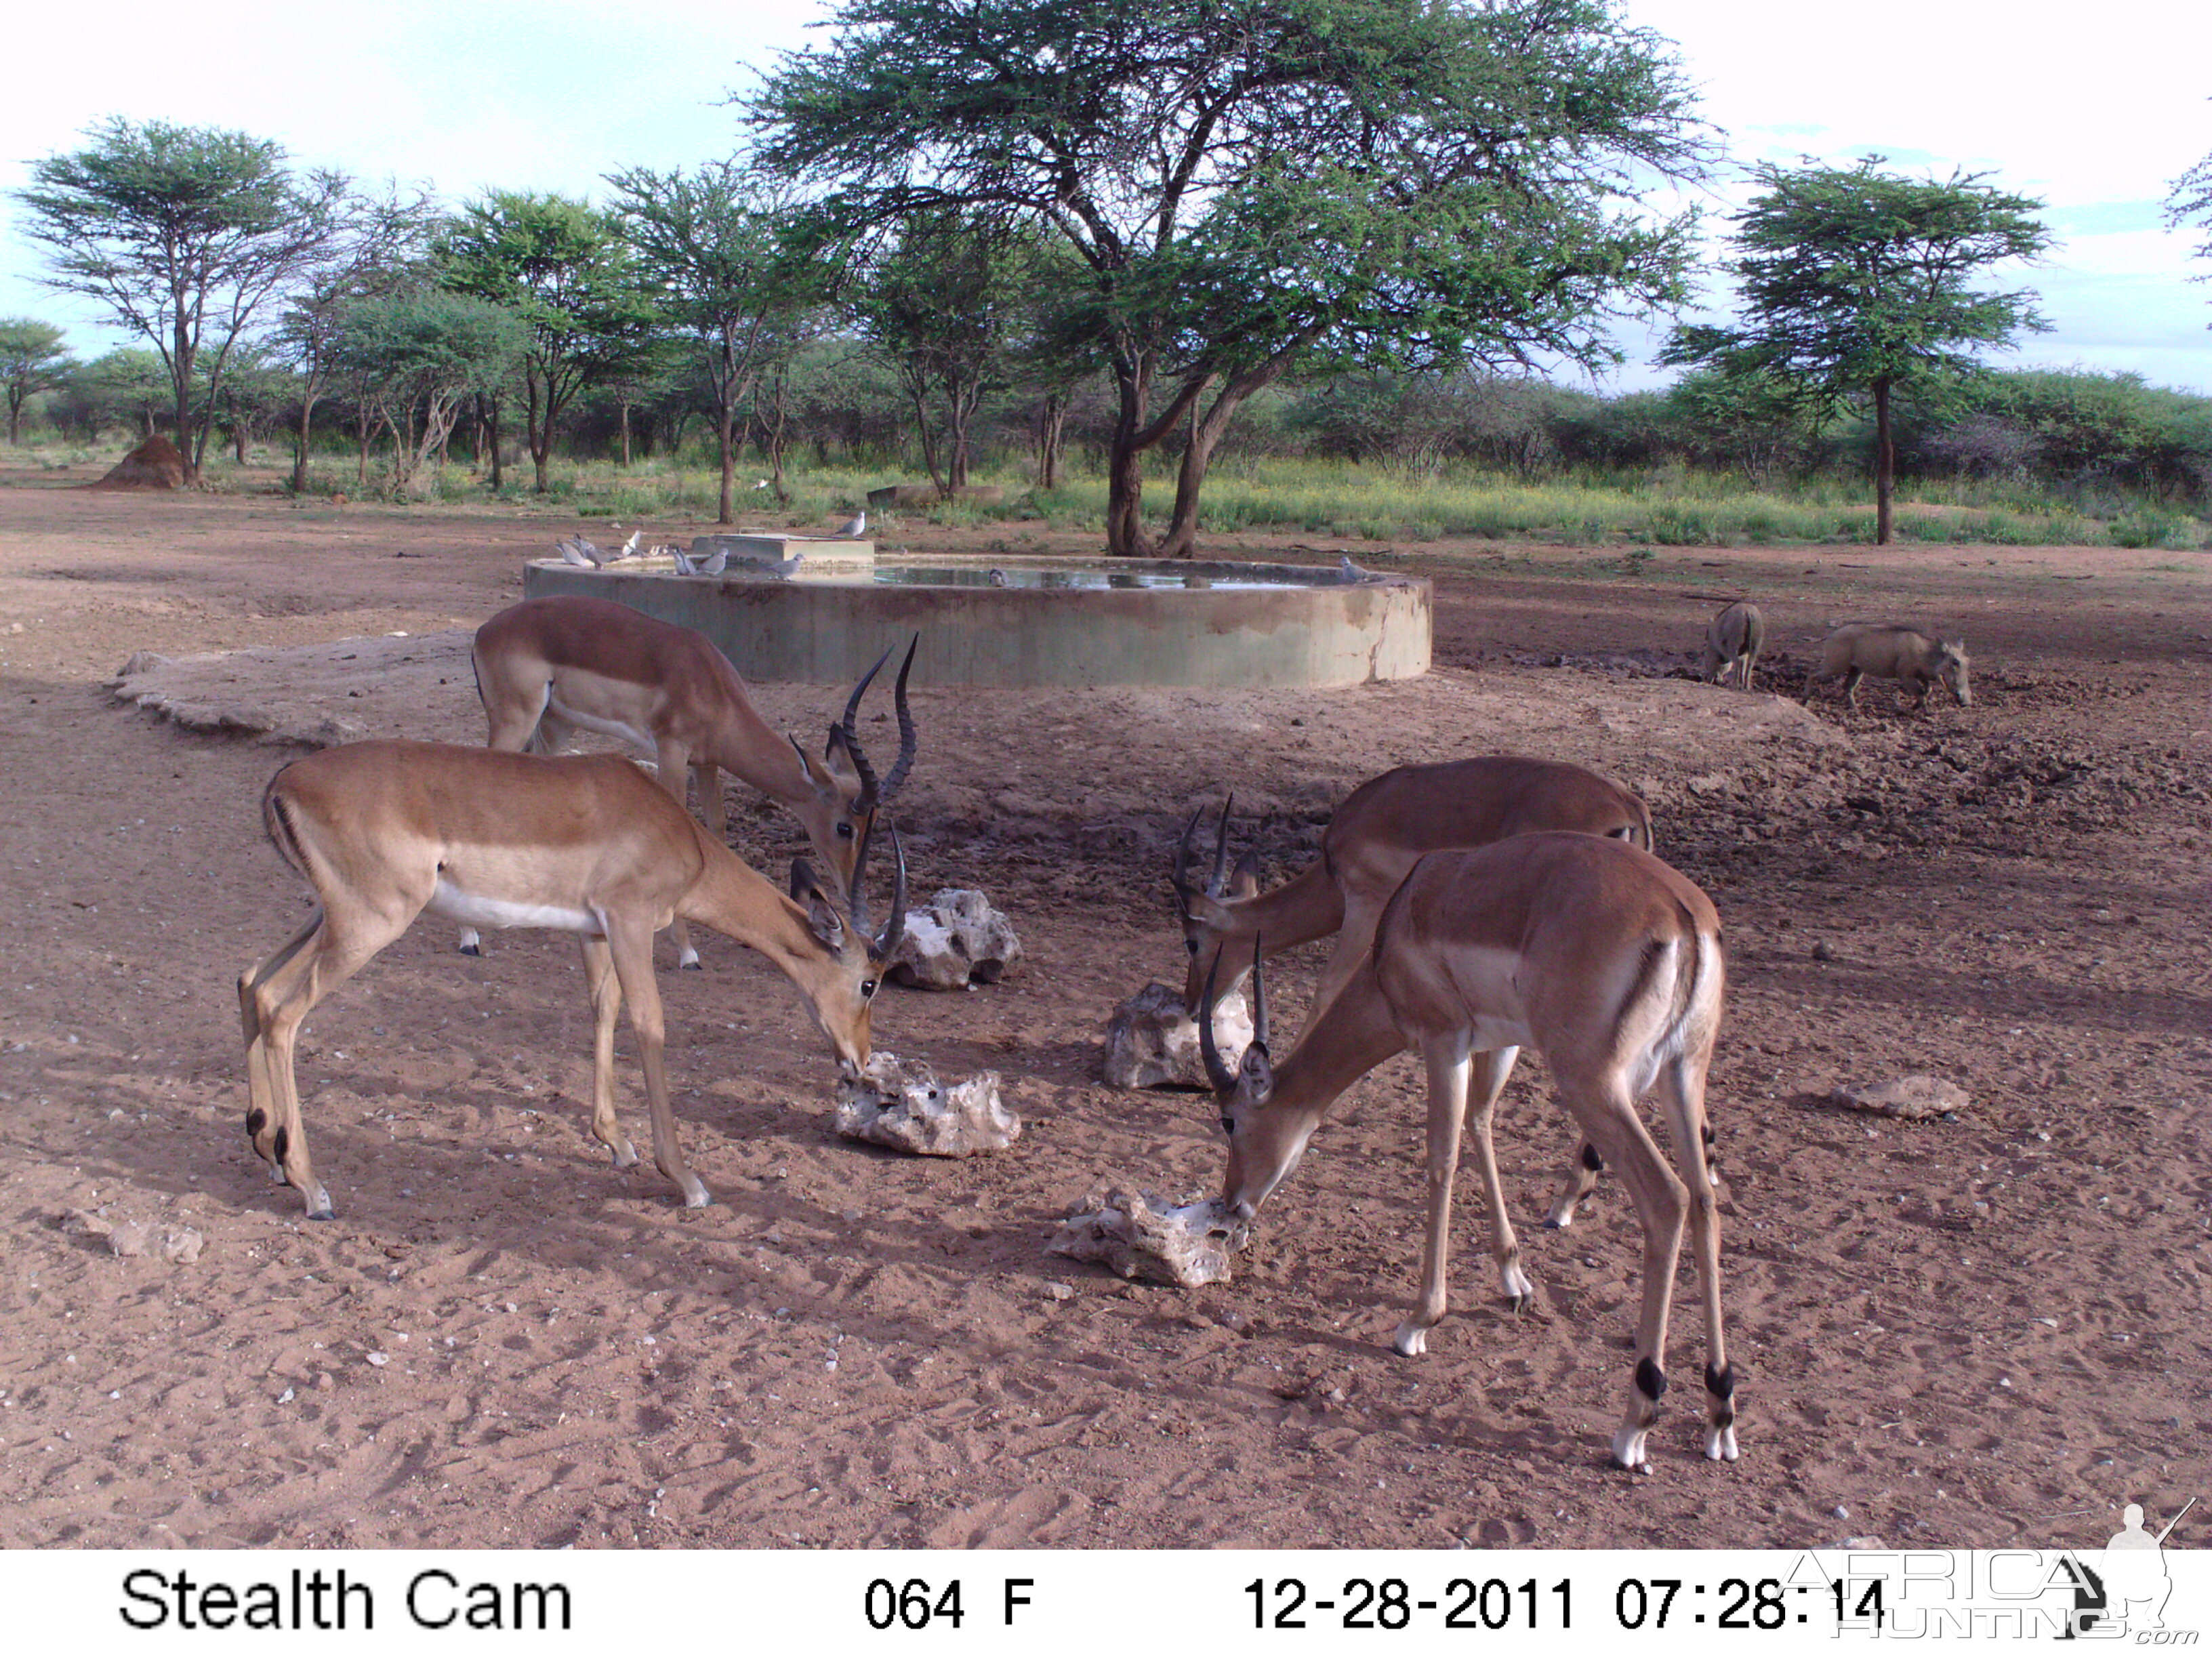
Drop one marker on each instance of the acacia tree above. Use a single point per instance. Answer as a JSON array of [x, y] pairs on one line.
[[562, 267], [184, 234], [1859, 282], [377, 248], [727, 268], [1255, 186], [31, 360], [939, 305], [417, 357]]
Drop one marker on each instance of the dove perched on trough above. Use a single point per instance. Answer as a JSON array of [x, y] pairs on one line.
[[714, 564], [854, 526], [628, 548], [578, 551], [684, 566]]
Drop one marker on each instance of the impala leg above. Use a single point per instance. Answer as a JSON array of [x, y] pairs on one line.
[[313, 966], [632, 948], [605, 988], [674, 761], [1449, 1064], [1660, 1200], [1490, 1070], [1682, 1087], [261, 1091], [1583, 1172]]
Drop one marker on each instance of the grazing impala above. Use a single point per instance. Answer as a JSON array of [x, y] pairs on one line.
[[1383, 827], [547, 667], [1609, 963], [587, 843]]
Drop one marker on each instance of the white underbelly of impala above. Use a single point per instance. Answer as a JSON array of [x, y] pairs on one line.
[[478, 911]]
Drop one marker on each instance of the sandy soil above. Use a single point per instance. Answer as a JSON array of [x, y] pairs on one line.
[[1988, 1332]]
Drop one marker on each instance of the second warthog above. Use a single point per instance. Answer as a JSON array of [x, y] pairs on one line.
[[1733, 640], [1889, 653]]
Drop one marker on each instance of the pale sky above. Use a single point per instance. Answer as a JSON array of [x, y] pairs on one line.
[[2094, 112]]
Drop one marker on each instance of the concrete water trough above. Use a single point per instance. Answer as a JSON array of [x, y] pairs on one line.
[[1008, 621]]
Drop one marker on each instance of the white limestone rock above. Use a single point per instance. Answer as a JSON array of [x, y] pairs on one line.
[[958, 938], [900, 1103], [1151, 1042], [1139, 1235]]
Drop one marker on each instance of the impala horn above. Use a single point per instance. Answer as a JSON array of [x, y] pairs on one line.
[[845, 735], [1218, 882], [893, 929], [1180, 878], [907, 743]]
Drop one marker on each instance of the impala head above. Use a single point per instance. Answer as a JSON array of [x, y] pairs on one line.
[[847, 792], [1951, 666], [1207, 912], [842, 1004], [1264, 1146]]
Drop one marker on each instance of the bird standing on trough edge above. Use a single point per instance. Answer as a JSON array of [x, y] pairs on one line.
[[854, 526]]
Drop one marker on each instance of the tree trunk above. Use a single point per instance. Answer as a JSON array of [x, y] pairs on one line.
[[1884, 463], [725, 419], [1051, 428], [1124, 462], [491, 430], [538, 428], [239, 436], [299, 446], [625, 435], [181, 372], [15, 418], [929, 445]]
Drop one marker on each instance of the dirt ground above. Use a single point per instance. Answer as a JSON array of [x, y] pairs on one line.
[[1990, 1331]]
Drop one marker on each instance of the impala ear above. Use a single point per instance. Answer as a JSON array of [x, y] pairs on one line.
[[816, 773], [837, 762], [822, 918], [1244, 881], [1259, 1074]]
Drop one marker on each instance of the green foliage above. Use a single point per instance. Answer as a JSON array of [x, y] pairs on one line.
[[1854, 281], [1262, 185], [1853, 278], [31, 360], [564, 269], [183, 235]]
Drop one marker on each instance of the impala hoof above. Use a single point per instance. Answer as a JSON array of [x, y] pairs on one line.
[[472, 949], [694, 966], [321, 1209], [694, 1194], [1517, 1305], [1720, 1445], [1628, 1450], [1412, 1340]]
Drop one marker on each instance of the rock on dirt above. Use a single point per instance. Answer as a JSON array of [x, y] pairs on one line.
[[1139, 1235], [1151, 1042], [900, 1103], [1917, 1096], [958, 938]]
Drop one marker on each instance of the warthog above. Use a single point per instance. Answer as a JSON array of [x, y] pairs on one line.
[[1733, 640], [1888, 652]]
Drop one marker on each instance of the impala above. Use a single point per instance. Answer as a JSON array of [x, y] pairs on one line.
[[587, 843], [1605, 960], [548, 667], [1383, 827]]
